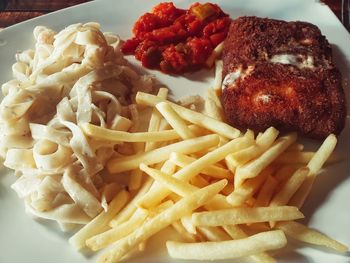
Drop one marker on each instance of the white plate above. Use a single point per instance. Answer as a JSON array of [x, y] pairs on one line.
[[327, 209]]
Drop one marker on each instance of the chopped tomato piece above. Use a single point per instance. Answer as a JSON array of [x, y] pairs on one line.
[[203, 11]]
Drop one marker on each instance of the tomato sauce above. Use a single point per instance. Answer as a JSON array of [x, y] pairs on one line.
[[176, 40]]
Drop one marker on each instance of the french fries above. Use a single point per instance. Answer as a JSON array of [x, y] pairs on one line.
[[161, 221], [191, 116], [266, 192], [155, 120], [99, 223], [248, 188], [215, 171], [174, 170], [108, 237], [131, 207], [314, 165], [253, 168], [128, 163], [290, 187], [262, 144]]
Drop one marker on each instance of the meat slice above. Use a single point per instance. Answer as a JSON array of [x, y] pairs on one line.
[[281, 74]]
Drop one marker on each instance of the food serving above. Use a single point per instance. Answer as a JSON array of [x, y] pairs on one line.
[[111, 153], [176, 40], [281, 74], [77, 75]]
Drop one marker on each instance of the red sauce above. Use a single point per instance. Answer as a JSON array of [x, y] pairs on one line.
[[176, 40]]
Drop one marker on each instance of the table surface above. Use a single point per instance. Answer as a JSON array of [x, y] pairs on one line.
[[15, 11]]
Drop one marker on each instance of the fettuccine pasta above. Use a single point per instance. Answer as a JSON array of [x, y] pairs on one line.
[[75, 76]]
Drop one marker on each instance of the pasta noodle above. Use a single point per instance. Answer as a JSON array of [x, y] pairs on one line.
[[75, 76]]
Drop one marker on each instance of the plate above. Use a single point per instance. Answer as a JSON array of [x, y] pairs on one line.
[[327, 209]]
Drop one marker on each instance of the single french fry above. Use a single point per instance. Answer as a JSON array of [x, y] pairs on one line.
[[218, 77], [131, 207], [266, 192], [156, 117], [214, 171], [174, 120], [245, 215], [212, 106], [228, 249], [183, 207], [254, 167], [192, 116], [303, 233], [215, 54], [109, 135], [314, 165], [108, 237], [322, 154], [117, 165], [96, 225], [250, 134], [135, 117]]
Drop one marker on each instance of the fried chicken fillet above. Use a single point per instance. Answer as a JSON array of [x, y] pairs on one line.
[[281, 74]]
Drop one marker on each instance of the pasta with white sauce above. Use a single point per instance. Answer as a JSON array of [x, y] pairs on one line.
[[75, 76]]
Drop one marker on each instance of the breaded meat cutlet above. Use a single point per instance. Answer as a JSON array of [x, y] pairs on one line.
[[281, 74]]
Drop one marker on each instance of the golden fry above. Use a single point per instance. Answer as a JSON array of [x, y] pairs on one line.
[[228, 249]]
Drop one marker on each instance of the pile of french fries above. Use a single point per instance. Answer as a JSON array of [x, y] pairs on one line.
[[227, 194]]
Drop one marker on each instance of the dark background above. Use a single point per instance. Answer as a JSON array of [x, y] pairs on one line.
[[15, 11]]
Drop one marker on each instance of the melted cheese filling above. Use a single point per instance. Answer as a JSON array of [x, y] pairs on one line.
[[295, 60]]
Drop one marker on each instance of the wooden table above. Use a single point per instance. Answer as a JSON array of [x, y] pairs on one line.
[[15, 11]]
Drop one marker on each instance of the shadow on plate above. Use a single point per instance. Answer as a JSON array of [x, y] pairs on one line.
[[289, 253], [52, 227]]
